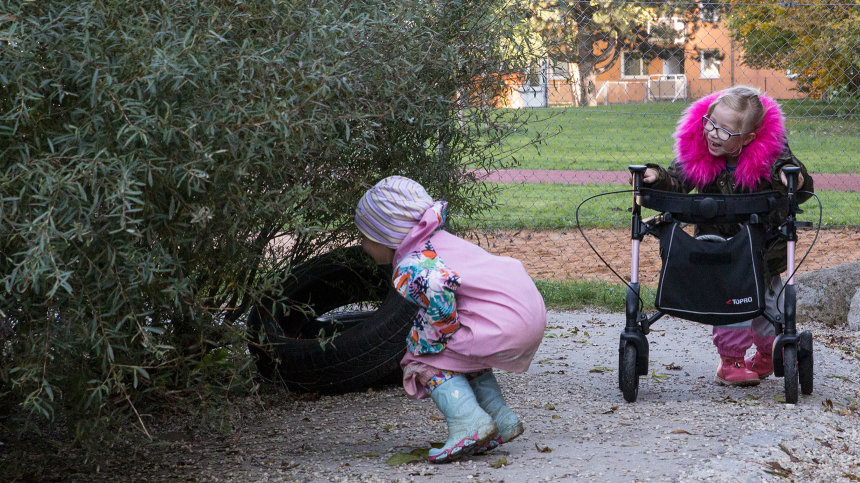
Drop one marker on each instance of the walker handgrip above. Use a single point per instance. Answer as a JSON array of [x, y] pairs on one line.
[[791, 174], [637, 170]]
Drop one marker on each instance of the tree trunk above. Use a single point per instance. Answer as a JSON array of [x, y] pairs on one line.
[[587, 88]]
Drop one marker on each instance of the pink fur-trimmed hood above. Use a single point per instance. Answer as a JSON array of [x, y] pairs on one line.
[[701, 167]]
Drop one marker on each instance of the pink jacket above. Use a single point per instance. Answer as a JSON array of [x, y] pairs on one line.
[[502, 314]]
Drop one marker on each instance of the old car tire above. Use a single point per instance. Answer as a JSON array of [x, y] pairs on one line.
[[292, 344]]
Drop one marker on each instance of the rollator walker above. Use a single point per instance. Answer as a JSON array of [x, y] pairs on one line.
[[729, 274]]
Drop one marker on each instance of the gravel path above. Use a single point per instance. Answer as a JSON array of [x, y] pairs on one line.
[[578, 427], [683, 427]]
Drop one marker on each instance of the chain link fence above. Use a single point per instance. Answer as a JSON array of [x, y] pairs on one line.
[[597, 120]]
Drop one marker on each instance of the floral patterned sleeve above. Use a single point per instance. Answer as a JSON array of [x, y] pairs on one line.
[[423, 278]]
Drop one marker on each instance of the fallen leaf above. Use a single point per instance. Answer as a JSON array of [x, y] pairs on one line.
[[658, 377], [680, 431], [600, 369], [402, 458], [777, 473], [549, 406], [851, 476], [794, 459], [502, 461], [672, 366], [543, 449], [778, 467], [611, 410]]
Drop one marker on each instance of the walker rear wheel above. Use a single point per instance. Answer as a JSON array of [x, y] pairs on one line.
[[804, 362], [789, 364], [628, 380]]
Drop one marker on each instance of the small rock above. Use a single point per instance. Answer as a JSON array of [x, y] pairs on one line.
[[825, 295]]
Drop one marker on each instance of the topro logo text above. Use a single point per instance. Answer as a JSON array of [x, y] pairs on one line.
[[746, 300]]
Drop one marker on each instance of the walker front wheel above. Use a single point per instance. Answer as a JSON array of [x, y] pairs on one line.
[[789, 364], [628, 380]]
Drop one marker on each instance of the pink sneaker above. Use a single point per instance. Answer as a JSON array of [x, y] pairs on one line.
[[733, 372], [761, 364]]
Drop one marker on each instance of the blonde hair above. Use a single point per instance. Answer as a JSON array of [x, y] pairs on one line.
[[743, 99]]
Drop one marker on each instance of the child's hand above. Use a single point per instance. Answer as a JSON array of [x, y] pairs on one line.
[[784, 179], [648, 177]]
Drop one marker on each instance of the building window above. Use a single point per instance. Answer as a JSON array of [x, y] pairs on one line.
[[667, 31], [633, 65], [533, 76], [710, 60], [709, 11], [559, 70]]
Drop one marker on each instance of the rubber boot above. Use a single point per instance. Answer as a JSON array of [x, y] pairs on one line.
[[761, 364], [733, 372], [489, 396], [469, 426]]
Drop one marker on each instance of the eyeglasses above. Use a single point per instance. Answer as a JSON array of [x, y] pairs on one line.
[[721, 133]]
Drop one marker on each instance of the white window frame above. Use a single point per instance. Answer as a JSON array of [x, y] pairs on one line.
[[709, 65], [643, 67], [713, 17], [675, 23], [559, 70]]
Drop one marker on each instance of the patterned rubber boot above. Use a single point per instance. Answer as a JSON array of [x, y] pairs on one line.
[[469, 426], [733, 372], [761, 364], [489, 396]]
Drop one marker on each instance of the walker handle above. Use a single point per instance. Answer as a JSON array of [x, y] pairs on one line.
[[789, 228], [636, 223], [791, 174], [638, 171]]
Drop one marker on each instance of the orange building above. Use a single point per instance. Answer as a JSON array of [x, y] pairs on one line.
[[691, 64]]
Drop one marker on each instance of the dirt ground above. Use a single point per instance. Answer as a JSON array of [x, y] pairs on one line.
[[565, 255]]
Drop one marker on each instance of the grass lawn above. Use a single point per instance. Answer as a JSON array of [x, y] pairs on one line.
[[575, 294], [615, 136], [553, 206]]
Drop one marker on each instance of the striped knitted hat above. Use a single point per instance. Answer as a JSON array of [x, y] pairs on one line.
[[389, 210]]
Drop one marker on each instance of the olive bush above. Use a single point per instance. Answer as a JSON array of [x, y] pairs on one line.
[[164, 163]]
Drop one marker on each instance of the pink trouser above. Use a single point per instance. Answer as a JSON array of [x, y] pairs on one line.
[[733, 340]]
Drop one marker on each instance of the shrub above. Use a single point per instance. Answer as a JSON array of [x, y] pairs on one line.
[[166, 162]]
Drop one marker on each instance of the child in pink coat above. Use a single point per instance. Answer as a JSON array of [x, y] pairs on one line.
[[733, 141], [478, 312]]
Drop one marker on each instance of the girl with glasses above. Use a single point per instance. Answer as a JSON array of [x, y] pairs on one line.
[[734, 141]]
